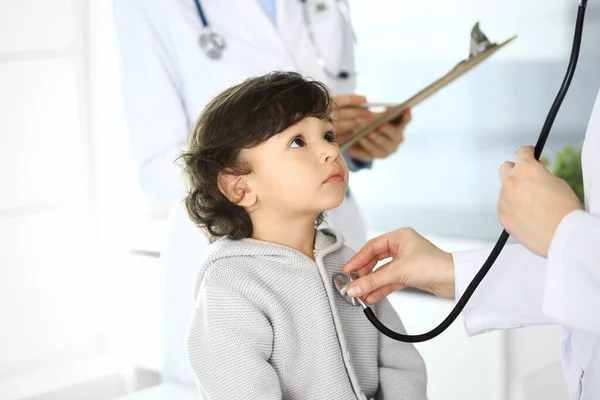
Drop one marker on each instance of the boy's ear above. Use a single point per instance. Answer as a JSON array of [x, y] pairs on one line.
[[237, 190]]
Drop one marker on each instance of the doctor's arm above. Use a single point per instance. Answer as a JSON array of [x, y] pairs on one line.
[[229, 345], [402, 373], [511, 295], [153, 105], [545, 215], [525, 289]]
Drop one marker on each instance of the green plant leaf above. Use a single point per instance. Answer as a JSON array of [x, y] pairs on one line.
[[567, 166]]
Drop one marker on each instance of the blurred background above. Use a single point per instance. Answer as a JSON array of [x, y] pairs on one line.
[[81, 285]]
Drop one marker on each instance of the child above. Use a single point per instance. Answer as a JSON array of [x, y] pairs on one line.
[[263, 165]]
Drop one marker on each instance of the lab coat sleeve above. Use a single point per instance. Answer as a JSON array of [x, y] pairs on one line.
[[402, 373], [572, 294], [510, 296], [229, 345], [153, 105], [356, 165]]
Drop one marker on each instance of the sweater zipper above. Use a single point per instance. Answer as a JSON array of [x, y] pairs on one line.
[[338, 328]]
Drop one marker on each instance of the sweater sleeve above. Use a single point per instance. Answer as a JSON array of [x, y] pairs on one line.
[[229, 345], [402, 373]]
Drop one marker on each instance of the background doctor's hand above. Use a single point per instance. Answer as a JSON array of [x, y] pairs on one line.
[[347, 119], [416, 262], [382, 142], [532, 201]]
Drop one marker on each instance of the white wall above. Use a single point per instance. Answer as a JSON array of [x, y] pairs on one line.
[[50, 297]]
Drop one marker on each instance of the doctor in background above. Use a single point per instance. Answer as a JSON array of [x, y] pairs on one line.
[[167, 78], [553, 277]]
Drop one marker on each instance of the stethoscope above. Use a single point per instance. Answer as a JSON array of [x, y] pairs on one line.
[[213, 44], [341, 282]]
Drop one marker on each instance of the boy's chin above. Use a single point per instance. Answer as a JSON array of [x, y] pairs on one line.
[[333, 202]]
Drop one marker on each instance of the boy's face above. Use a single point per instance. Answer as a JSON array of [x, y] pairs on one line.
[[299, 171]]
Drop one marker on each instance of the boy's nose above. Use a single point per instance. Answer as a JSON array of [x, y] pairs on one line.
[[330, 151]]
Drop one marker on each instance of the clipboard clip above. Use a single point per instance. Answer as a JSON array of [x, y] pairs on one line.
[[479, 42]]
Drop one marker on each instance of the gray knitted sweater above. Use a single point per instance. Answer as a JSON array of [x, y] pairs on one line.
[[269, 324]]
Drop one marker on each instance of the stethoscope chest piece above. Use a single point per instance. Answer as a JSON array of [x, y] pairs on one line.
[[341, 283], [212, 44]]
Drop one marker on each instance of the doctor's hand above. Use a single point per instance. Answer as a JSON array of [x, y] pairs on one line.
[[532, 201], [415, 262], [382, 142], [347, 119]]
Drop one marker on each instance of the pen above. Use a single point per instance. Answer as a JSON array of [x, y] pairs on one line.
[[370, 105]]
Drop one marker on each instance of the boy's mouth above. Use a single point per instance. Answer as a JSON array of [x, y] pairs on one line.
[[335, 176]]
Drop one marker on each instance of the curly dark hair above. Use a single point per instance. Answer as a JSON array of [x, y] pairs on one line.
[[243, 117]]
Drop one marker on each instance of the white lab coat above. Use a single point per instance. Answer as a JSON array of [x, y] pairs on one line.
[[167, 80], [523, 289]]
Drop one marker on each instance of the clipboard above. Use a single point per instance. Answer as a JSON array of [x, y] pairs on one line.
[[480, 50]]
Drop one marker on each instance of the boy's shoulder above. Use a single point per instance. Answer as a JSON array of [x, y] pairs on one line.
[[222, 262], [235, 264]]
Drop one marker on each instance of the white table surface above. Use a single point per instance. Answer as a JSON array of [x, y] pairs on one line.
[[164, 391]]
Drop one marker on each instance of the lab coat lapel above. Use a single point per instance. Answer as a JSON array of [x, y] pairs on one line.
[[260, 20], [329, 29], [247, 22], [590, 161], [290, 22]]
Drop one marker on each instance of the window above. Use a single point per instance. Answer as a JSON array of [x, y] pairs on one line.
[[50, 281]]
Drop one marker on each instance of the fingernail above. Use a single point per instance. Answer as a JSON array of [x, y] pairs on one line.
[[354, 291]]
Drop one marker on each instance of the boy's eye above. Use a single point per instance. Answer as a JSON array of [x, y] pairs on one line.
[[330, 137], [297, 142]]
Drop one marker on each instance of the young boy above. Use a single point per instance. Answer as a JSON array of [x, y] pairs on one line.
[[263, 165]]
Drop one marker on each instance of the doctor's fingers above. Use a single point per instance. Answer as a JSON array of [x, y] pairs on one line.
[[348, 100], [404, 118], [346, 124], [344, 128], [382, 293], [388, 274], [377, 145], [505, 170], [395, 133], [373, 251], [358, 153], [524, 154], [364, 262], [355, 115]]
